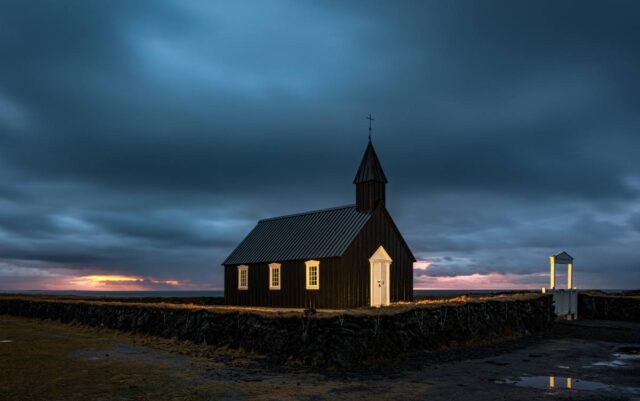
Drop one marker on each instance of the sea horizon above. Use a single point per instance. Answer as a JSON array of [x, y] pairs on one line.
[[220, 293]]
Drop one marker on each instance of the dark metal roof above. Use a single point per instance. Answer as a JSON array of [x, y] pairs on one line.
[[312, 235], [563, 257], [370, 168]]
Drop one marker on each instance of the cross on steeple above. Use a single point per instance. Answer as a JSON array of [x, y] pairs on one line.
[[370, 119]]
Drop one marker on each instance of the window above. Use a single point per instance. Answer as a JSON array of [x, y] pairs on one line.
[[313, 274], [243, 277], [274, 276]]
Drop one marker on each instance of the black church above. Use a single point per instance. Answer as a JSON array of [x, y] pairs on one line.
[[343, 257]]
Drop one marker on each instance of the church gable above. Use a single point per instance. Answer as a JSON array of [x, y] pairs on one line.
[[380, 230], [393, 226]]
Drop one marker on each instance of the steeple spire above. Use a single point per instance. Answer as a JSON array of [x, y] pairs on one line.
[[370, 181], [370, 168]]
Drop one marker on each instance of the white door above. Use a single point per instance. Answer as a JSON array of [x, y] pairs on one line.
[[384, 287], [380, 264], [382, 284], [376, 284]]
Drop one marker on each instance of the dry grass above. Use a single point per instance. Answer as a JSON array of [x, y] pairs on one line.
[[398, 307], [623, 295], [401, 307]]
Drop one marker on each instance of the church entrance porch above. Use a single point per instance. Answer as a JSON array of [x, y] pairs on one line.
[[380, 266]]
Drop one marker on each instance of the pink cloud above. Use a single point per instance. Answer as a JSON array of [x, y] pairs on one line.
[[476, 281]]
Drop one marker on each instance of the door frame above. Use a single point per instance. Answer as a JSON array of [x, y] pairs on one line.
[[380, 256]]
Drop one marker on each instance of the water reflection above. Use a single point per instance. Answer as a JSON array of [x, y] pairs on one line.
[[568, 382], [565, 383]]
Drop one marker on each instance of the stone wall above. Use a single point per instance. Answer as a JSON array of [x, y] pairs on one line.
[[332, 339], [609, 307]]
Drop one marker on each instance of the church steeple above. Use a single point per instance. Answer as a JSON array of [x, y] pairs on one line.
[[370, 181]]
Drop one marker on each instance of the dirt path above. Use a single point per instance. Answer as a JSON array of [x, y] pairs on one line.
[[52, 361]]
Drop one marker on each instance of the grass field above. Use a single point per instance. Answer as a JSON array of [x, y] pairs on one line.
[[50, 361]]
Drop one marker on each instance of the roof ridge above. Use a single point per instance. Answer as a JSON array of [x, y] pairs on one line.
[[309, 212]]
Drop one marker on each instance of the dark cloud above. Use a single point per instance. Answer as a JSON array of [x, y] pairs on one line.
[[147, 138], [634, 221]]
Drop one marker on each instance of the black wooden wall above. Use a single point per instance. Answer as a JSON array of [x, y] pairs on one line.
[[369, 195], [292, 292], [344, 281]]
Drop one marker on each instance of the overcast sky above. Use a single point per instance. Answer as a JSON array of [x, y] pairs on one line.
[[144, 139]]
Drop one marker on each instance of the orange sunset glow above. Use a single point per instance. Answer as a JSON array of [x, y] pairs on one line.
[[117, 282]]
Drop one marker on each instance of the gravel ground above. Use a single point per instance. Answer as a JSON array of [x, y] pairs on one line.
[[585, 360]]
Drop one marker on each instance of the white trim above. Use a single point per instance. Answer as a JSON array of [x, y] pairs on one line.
[[388, 286], [371, 283], [245, 269], [309, 264], [272, 267], [380, 256]]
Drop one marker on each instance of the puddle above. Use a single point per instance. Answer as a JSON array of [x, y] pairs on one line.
[[6, 341], [566, 383], [627, 357], [611, 364], [620, 359]]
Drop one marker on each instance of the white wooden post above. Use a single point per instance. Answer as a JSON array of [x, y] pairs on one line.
[[552, 276]]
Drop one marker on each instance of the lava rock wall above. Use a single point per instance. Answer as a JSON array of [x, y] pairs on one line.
[[607, 307], [342, 340]]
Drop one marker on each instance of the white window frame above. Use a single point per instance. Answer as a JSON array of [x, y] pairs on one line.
[[241, 269], [273, 267], [309, 264]]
